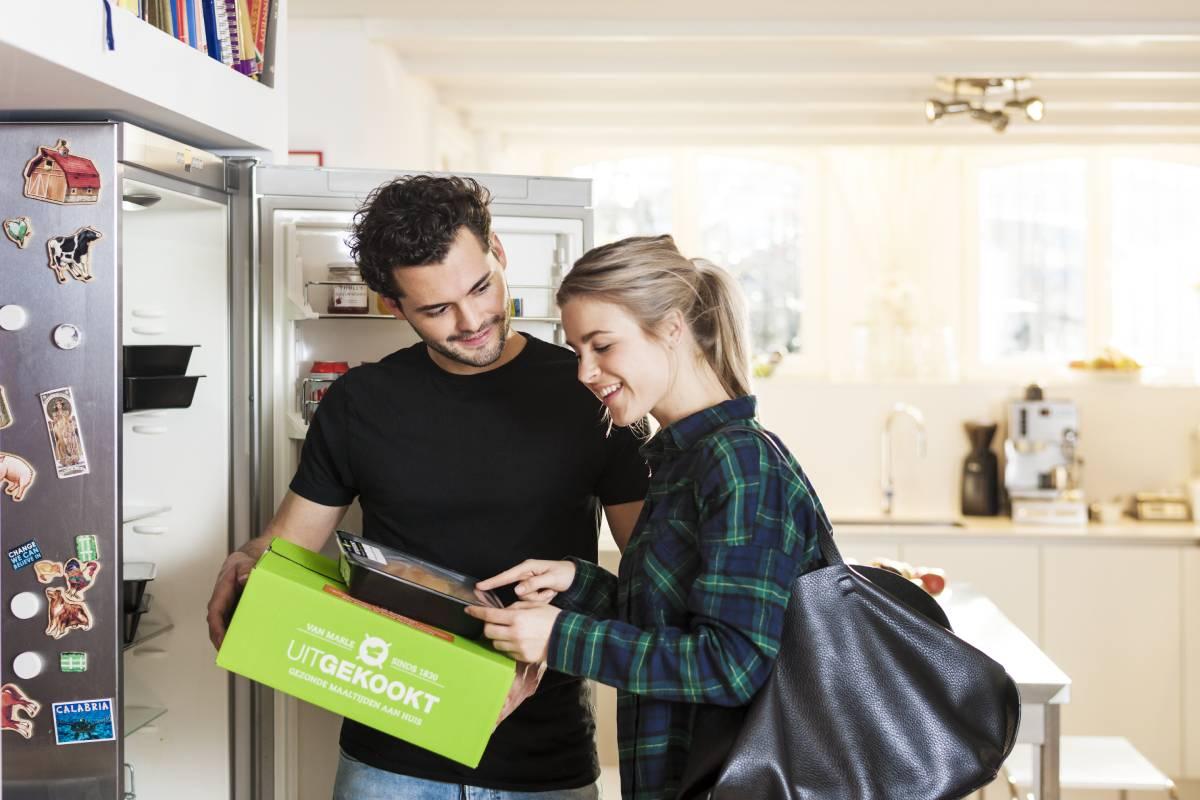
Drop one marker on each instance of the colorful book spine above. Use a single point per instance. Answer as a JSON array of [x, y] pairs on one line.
[[212, 35]]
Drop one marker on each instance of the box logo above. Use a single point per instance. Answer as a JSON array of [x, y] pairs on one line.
[[373, 651]]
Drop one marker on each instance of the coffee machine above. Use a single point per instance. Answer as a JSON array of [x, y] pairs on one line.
[[1042, 469]]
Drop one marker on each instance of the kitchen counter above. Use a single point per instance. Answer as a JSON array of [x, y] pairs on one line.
[[1128, 530]]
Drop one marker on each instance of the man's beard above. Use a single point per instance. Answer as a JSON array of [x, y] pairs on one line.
[[476, 358]]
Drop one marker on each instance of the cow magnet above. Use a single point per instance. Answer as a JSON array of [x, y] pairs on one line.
[[72, 661], [13, 703], [5, 414], [18, 230], [66, 441], [72, 255], [66, 613], [56, 176], [79, 576], [17, 474], [23, 555], [82, 721]]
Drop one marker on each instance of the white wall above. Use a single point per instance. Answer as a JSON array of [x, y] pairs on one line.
[[351, 97], [1131, 437]]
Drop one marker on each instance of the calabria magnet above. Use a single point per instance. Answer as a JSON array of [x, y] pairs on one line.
[[72, 255], [56, 176], [84, 721], [17, 474], [13, 703], [18, 230], [66, 441]]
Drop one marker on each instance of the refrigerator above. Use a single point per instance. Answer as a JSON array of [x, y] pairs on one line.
[[161, 312]]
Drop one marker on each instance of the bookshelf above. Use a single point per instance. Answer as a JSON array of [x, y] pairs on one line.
[[150, 78]]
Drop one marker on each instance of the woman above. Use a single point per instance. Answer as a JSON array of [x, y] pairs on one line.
[[696, 614]]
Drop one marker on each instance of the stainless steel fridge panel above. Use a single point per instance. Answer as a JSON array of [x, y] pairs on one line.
[[55, 510]]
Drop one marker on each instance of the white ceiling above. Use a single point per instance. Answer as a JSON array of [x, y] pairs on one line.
[[774, 72]]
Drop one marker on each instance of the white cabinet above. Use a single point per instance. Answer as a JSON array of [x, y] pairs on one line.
[[1112, 622], [1191, 662]]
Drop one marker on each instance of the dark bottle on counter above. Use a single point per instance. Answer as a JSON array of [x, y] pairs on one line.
[[981, 473]]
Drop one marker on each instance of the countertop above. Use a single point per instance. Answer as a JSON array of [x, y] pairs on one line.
[[1127, 531]]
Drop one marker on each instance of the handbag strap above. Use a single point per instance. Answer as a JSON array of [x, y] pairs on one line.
[[829, 550]]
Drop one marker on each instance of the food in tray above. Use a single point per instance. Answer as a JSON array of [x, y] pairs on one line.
[[1110, 360], [931, 579]]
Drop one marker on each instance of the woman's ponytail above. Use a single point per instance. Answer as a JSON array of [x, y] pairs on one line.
[[719, 325]]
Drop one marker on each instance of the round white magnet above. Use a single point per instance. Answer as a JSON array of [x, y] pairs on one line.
[[67, 336], [28, 665], [13, 318], [25, 605]]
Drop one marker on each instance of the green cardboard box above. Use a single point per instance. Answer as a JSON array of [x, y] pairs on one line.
[[293, 632]]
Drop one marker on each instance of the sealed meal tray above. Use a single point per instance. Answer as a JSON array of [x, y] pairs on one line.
[[412, 587]]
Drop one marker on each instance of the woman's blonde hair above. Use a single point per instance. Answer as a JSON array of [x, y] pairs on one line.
[[648, 277]]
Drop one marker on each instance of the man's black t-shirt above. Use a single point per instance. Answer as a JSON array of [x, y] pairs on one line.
[[476, 473]]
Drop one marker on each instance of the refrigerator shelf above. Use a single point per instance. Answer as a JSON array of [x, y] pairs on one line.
[[138, 717], [297, 428], [132, 513], [149, 629]]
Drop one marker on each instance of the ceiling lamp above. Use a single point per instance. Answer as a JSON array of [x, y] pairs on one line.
[[979, 92]]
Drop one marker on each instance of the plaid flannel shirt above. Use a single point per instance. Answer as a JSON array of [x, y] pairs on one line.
[[696, 613]]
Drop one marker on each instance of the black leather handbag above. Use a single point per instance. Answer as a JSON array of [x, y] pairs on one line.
[[872, 697]]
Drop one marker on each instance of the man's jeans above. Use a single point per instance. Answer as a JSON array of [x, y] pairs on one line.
[[357, 781]]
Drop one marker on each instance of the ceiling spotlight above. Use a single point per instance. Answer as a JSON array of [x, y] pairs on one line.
[[979, 92], [936, 109], [1033, 107], [997, 119]]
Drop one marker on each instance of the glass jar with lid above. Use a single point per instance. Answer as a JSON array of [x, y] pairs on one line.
[[349, 295]]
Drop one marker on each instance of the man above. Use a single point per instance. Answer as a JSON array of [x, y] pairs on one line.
[[475, 449]]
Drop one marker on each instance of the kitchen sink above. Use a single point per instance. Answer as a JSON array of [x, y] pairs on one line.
[[896, 522]]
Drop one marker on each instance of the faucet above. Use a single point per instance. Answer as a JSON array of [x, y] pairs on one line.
[[887, 483]]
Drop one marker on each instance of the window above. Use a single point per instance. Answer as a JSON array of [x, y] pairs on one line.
[[630, 197], [1156, 261], [746, 215], [1033, 244]]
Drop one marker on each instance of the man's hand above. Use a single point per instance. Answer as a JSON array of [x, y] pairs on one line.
[[521, 631], [230, 580], [537, 581]]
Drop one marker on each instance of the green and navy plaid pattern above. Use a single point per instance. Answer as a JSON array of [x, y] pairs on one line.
[[696, 614]]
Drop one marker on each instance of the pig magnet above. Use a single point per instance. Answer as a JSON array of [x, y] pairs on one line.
[[18, 230], [66, 441], [72, 255], [66, 613], [13, 704], [16, 476], [56, 176]]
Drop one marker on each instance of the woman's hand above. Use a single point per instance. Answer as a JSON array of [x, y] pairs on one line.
[[521, 631], [537, 581]]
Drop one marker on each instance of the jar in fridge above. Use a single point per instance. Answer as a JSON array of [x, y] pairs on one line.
[[349, 295], [322, 374]]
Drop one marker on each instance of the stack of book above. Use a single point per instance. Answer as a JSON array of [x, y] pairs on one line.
[[238, 33]]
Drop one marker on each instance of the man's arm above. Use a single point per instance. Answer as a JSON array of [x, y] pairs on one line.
[[621, 519], [301, 521]]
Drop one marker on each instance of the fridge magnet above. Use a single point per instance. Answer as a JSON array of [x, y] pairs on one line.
[[25, 605], [58, 407], [17, 474], [28, 665], [82, 721], [72, 255], [5, 414], [87, 548], [65, 613], [23, 555], [47, 571], [67, 336], [13, 317], [18, 230], [79, 576], [13, 704], [72, 661], [56, 176]]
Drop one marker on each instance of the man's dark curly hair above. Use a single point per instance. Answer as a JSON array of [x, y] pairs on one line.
[[413, 221]]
